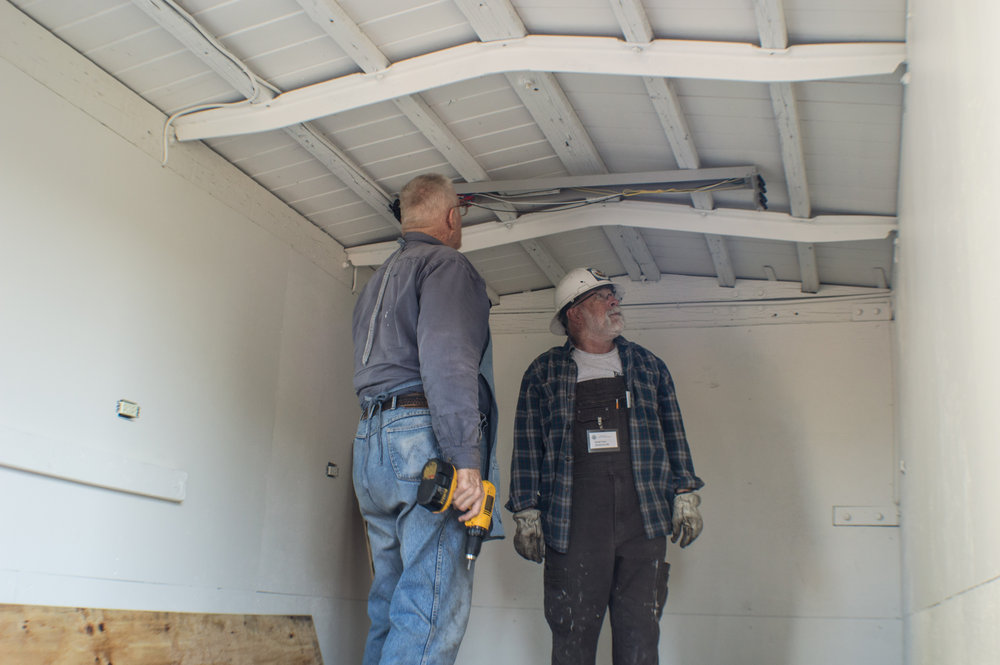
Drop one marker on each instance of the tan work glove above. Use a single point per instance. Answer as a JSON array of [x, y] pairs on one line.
[[528, 540], [687, 522]]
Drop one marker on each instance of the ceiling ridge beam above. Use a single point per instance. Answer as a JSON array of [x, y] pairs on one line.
[[592, 55], [764, 225]]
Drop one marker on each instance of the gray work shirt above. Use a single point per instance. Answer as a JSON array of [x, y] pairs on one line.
[[432, 329]]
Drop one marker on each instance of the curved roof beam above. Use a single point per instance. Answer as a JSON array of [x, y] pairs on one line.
[[662, 216], [588, 55]]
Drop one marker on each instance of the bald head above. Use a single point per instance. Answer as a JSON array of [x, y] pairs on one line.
[[428, 204]]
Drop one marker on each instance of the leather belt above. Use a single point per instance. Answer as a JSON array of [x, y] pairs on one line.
[[408, 401]]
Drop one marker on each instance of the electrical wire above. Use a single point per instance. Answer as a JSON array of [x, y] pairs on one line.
[[255, 81], [604, 196]]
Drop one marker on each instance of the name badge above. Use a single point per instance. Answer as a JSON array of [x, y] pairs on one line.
[[602, 440]]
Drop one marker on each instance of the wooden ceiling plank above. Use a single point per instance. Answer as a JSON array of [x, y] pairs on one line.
[[630, 245], [539, 91], [720, 258], [667, 107], [248, 84], [340, 27], [548, 53], [808, 268], [544, 260], [771, 27], [345, 169], [633, 20], [770, 15], [492, 19], [184, 29], [336, 23], [545, 101], [614, 236]]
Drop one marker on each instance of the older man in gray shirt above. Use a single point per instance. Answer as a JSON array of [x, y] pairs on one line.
[[423, 374]]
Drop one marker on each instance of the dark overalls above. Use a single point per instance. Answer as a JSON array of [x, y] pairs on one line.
[[609, 563]]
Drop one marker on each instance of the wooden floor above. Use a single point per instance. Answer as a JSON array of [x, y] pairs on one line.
[[38, 635]]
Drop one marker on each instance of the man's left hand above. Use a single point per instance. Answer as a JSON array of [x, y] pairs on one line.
[[687, 522], [469, 493]]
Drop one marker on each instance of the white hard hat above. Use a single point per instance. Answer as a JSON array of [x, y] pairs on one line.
[[576, 283]]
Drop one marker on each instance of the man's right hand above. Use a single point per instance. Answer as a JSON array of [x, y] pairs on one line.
[[528, 540], [469, 493]]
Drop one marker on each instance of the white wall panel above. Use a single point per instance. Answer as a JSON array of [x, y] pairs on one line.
[[122, 279], [949, 313], [785, 422]]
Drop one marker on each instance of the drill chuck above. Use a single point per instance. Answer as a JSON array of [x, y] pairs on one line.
[[477, 528]]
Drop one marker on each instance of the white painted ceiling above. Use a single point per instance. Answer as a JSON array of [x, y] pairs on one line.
[[683, 84]]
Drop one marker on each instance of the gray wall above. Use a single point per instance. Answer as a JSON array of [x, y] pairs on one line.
[[948, 313]]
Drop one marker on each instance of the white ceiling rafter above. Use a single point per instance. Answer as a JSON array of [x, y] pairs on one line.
[[848, 132], [591, 55], [340, 27], [633, 251], [545, 100], [661, 216], [332, 18], [770, 15], [636, 28], [544, 259], [667, 107], [541, 94], [633, 21], [185, 29]]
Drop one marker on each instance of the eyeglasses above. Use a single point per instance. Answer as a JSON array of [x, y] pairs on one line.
[[603, 294], [463, 209]]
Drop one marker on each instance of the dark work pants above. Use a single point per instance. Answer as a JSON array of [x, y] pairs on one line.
[[610, 564]]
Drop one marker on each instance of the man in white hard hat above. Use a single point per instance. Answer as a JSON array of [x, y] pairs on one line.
[[601, 474]]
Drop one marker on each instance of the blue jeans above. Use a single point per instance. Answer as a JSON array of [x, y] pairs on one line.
[[422, 592]]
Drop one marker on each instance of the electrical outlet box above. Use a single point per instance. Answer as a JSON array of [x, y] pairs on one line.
[[127, 409]]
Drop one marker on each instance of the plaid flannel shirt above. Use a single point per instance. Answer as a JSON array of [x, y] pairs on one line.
[[541, 473]]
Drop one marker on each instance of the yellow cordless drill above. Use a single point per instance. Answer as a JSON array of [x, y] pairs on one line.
[[437, 489]]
